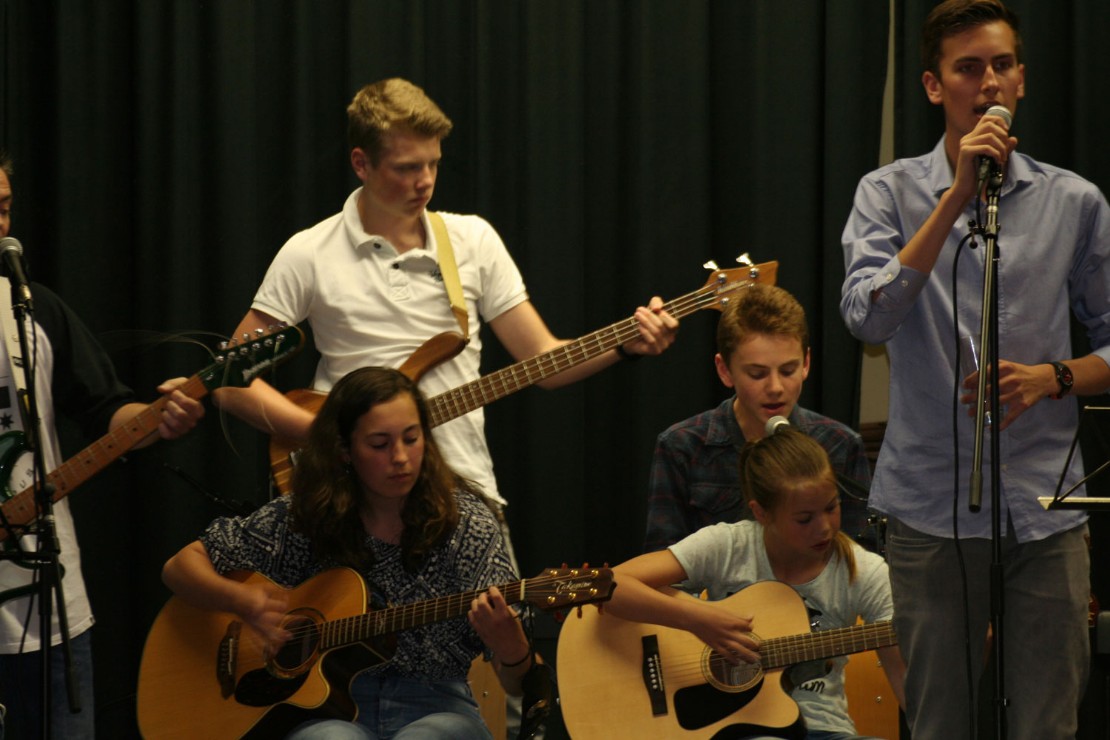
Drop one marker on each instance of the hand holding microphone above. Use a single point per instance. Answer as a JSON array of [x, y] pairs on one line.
[[988, 165]]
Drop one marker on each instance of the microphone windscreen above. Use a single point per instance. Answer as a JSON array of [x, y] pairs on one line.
[[1002, 112], [10, 244], [774, 424]]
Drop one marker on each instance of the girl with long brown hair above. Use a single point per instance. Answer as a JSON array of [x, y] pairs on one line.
[[372, 493]]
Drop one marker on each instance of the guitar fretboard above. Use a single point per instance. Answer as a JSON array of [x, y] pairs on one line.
[[21, 508], [497, 385], [783, 651], [238, 365], [552, 589], [379, 622]]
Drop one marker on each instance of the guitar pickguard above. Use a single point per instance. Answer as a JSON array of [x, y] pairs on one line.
[[698, 707], [13, 445], [260, 688], [16, 475], [285, 671]]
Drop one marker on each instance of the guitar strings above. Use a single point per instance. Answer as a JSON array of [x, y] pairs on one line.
[[775, 655], [394, 618], [509, 380]]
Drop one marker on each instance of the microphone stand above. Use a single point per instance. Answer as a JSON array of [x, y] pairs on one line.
[[47, 558], [988, 340]]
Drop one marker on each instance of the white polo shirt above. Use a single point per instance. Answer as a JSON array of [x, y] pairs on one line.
[[370, 306]]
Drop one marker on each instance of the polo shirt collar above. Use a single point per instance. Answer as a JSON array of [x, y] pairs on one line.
[[378, 245]]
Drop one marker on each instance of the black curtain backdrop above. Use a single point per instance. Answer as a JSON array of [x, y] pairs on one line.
[[165, 151]]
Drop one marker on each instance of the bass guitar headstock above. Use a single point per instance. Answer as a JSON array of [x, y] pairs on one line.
[[723, 283]]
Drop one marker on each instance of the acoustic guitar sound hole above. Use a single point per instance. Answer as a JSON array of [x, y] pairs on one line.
[[725, 676], [300, 652]]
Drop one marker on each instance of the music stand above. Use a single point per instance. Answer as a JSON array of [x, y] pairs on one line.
[[1063, 500]]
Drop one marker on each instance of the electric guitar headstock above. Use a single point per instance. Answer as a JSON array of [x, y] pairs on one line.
[[240, 361]]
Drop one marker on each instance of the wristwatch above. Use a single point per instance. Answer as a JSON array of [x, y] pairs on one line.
[[1064, 378]]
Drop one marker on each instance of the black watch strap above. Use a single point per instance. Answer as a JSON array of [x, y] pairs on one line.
[[1064, 379]]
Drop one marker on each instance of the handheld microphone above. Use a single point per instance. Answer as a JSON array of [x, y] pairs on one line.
[[774, 424], [11, 267], [987, 165]]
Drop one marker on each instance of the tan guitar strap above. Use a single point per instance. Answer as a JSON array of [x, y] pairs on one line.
[[450, 272]]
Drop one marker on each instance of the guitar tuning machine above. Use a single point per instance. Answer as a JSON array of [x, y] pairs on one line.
[[744, 260], [722, 276]]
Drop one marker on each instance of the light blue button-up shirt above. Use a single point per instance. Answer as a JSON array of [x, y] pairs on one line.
[[1054, 240]]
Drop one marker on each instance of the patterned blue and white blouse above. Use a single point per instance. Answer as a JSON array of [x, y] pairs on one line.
[[472, 558]]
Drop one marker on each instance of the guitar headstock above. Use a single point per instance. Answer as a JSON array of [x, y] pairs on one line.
[[725, 282], [239, 362], [560, 588]]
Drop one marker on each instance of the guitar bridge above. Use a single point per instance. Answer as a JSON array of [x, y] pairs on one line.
[[653, 675], [226, 655]]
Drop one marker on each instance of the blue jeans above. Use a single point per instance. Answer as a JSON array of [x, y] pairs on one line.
[[393, 707], [20, 692]]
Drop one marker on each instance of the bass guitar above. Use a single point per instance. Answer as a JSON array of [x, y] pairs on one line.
[[622, 679], [206, 674], [489, 388], [235, 365]]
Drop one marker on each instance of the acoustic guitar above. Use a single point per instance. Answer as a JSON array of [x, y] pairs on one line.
[[622, 679], [206, 674], [489, 388]]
